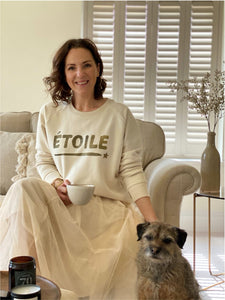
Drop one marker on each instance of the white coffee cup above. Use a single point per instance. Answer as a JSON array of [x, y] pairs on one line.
[[80, 194]]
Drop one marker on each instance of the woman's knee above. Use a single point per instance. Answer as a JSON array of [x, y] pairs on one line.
[[27, 181], [31, 183], [31, 187]]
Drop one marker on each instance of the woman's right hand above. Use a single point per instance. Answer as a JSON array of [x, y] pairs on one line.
[[62, 192]]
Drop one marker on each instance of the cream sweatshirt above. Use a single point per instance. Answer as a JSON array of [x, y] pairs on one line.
[[101, 147]]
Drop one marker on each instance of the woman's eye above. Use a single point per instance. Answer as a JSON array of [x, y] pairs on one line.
[[71, 68], [87, 65]]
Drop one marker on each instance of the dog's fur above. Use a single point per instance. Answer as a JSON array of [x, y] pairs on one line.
[[163, 273]]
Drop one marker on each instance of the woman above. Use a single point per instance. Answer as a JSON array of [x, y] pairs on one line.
[[82, 137]]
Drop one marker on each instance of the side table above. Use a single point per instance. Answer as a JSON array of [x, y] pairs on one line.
[[49, 290], [219, 196]]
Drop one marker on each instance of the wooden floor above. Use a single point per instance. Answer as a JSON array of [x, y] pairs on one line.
[[202, 271]]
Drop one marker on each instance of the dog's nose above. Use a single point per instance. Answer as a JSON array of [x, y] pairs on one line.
[[155, 250]]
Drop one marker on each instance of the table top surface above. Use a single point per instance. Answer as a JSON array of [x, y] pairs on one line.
[[49, 290], [219, 195]]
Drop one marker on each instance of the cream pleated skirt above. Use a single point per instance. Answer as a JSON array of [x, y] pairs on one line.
[[88, 249]]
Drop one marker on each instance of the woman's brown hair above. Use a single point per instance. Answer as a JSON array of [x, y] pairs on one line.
[[56, 83]]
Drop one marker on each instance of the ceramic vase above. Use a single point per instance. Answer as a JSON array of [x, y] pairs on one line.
[[210, 167]]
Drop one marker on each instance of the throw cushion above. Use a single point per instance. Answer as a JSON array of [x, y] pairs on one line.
[[8, 158], [25, 148]]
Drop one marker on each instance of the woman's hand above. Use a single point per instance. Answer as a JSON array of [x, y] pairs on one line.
[[62, 192]]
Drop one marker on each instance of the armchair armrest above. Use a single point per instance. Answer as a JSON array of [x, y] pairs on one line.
[[168, 180]]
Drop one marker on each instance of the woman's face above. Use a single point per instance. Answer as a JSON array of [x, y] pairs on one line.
[[81, 72]]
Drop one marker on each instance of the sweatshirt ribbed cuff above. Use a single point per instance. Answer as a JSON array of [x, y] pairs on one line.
[[138, 191]]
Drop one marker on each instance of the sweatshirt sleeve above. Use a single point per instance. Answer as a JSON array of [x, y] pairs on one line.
[[44, 160], [131, 169]]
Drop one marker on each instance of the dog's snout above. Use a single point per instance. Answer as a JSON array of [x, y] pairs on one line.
[[155, 250]]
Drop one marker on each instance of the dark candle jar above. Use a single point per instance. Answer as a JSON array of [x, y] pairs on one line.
[[22, 270]]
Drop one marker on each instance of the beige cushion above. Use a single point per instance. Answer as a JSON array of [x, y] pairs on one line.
[[15, 121], [8, 158], [25, 148]]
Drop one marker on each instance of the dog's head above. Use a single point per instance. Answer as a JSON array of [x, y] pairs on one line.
[[160, 241]]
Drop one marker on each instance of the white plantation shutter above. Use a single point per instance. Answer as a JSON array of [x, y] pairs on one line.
[[103, 35], [201, 53], [134, 57], [169, 15], [146, 43]]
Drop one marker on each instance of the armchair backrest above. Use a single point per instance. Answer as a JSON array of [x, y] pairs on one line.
[[23, 121], [153, 140]]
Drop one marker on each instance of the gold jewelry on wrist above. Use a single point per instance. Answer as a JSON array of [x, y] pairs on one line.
[[57, 182]]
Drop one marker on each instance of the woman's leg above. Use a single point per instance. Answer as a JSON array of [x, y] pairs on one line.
[[34, 221]]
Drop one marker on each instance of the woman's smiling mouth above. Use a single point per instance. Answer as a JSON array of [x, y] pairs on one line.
[[81, 82]]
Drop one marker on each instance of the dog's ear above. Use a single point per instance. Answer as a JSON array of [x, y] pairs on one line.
[[141, 229], [181, 237]]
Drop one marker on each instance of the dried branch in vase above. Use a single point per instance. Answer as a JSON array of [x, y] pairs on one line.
[[205, 95]]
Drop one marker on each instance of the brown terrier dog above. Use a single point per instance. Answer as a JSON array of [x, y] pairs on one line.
[[163, 273]]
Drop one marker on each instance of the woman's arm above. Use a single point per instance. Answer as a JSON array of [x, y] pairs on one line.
[[131, 169], [45, 163], [145, 206], [44, 160]]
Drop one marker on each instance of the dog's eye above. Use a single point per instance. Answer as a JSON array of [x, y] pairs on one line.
[[167, 240], [149, 237]]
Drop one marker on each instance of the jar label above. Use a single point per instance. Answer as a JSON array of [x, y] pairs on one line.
[[24, 277]]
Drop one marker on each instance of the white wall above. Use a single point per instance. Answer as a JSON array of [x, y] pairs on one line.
[[31, 32]]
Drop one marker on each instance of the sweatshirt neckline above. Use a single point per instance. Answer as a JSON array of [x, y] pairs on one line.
[[89, 113]]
